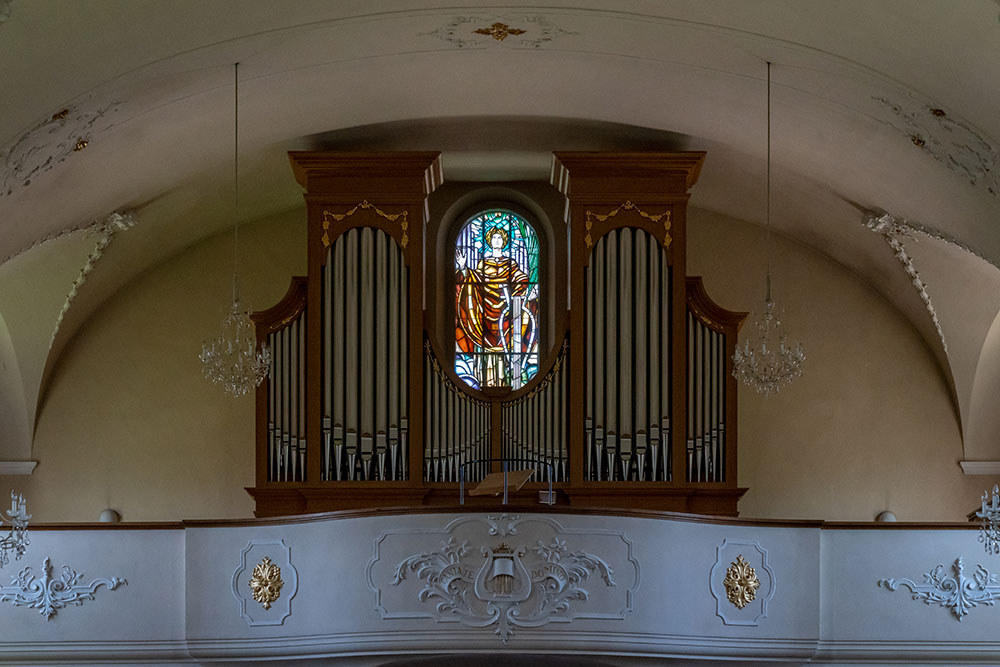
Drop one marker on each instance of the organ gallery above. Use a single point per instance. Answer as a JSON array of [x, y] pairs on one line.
[[420, 354]]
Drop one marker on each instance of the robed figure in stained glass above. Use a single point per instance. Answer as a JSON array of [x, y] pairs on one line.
[[497, 302]]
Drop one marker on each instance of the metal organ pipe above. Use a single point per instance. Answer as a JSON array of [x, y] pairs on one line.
[[706, 395], [366, 337], [381, 352], [628, 375], [456, 428], [534, 425], [626, 319], [363, 334]]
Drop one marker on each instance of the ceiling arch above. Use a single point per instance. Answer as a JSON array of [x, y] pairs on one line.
[[874, 109]]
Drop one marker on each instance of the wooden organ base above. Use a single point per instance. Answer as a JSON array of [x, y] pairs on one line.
[[303, 499]]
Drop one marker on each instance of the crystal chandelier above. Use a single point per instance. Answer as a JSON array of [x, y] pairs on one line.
[[234, 359], [989, 530], [767, 361], [17, 540]]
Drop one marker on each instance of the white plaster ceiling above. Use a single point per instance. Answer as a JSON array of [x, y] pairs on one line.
[[148, 84]]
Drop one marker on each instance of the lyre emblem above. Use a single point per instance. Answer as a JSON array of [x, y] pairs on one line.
[[503, 576]]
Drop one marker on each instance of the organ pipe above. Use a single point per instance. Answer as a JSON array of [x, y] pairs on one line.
[[706, 396], [456, 428], [364, 331], [286, 410], [534, 425], [628, 374]]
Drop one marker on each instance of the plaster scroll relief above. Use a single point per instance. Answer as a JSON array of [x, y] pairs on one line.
[[894, 230], [49, 595], [503, 572], [265, 582], [5, 10], [951, 141], [465, 32], [105, 230], [955, 592], [742, 582], [51, 141]]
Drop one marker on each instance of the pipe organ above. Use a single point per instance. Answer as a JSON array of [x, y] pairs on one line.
[[632, 404]]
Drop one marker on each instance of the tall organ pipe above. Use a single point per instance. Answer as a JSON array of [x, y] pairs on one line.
[[364, 335], [628, 364], [706, 395]]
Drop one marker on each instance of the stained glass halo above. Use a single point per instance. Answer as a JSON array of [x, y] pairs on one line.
[[497, 318]]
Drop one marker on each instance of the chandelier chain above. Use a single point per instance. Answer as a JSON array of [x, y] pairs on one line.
[[234, 359], [766, 360]]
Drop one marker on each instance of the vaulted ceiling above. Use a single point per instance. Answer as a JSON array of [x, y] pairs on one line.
[[877, 107]]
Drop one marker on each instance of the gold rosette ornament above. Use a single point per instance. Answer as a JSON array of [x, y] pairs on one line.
[[741, 583], [266, 582]]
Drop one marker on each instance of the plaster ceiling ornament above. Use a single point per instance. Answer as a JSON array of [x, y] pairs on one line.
[[264, 582], [503, 573], [17, 540], [234, 359], [767, 361], [499, 31], [959, 594], [948, 139], [893, 231], [49, 595], [534, 31], [105, 230], [989, 530], [50, 142], [742, 582]]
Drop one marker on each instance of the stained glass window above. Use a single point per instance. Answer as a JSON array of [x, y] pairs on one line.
[[496, 286]]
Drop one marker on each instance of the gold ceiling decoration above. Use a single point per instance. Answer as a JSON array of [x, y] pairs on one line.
[[741, 582], [499, 31], [266, 582]]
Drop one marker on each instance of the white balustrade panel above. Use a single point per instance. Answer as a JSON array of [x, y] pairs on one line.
[[370, 589]]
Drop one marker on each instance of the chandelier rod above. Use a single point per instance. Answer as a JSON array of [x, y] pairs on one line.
[[767, 193], [236, 181]]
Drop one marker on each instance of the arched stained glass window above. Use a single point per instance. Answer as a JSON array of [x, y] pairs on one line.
[[496, 284]]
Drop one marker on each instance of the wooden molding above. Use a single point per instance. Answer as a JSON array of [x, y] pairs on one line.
[[710, 313], [335, 172], [282, 313], [681, 169]]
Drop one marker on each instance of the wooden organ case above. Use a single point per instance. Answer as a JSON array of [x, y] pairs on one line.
[[635, 405]]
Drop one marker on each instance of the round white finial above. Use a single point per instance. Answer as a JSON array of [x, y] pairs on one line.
[[885, 517], [110, 516]]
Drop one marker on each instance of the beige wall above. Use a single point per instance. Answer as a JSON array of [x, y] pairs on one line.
[[870, 424], [129, 423]]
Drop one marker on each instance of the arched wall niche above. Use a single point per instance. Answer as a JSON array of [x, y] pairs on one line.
[[450, 207]]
